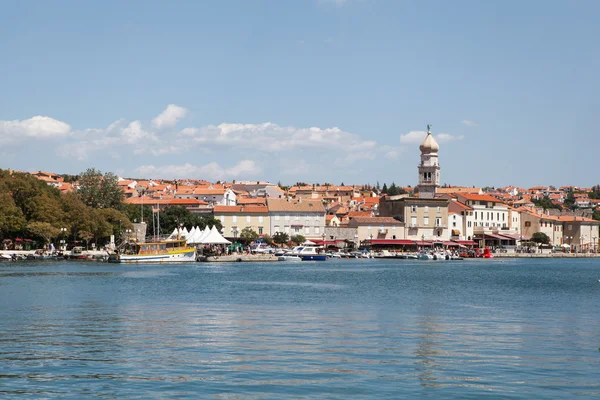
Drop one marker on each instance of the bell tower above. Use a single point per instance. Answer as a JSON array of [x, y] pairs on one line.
[[429, 169]]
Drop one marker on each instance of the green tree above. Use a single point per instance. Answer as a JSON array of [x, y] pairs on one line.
[[540, 237], [12, 219], [134, 212], [268, 240], [298, 239], [281, 238], [545, 203], [100, 191], [392, 190], [248, 234], [384, 189], [43, 230]]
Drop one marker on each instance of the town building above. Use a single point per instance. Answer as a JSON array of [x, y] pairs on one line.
[[235, 218], [297, 217]]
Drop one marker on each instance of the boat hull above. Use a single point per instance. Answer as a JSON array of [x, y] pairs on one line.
[[188, 255], [313, 257]]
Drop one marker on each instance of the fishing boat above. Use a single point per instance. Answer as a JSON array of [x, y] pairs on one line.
[[167, 251]]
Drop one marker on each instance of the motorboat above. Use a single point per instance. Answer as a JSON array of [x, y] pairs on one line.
[[289, 257], [311, 253], [424, 256]]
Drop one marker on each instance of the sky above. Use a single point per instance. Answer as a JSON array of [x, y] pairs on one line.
[[336, 91]]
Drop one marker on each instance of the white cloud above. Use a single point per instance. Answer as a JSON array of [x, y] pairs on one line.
[[417, 137], [444, 137], [38, 127], [210, 171], [413, 137], [169, 117], [468, 123]]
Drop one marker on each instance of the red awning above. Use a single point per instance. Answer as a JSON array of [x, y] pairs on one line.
[[393, 241], [466, 242]]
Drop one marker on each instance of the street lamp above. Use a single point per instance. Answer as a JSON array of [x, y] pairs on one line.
[[423, 242], [356, 240], [594, 244], [569, 238], [63, 246]]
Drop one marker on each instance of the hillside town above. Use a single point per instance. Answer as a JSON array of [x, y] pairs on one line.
[[355, 215]]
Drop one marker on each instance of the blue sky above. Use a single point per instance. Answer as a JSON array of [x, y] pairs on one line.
[[313, 90]]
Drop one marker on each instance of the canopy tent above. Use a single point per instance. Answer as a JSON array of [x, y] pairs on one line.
[[195, 234], [308, 243], [205, 233], [191, 234], [173, 235], [214, 237], [185, 232]]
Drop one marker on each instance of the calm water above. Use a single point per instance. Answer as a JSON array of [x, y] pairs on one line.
[[334, 330]]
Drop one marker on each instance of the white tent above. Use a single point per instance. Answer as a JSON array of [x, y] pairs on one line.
[[174, 234], [191, 233], [214, 237], [185, 232], [309, 243], [203, 234], [195, 236]]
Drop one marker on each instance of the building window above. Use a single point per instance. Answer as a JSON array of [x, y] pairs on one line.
[[277, 218], [413, 221], [287, 217], [296, 229], [439, 209], [438, 222], [454, 224], [297, 218], [260, 219], [413, 209], [276, 228], [569, 227], [475, 215], [317, 230], [426, 209], [248, 218], [426, 221], [307, 230], [260, 230], [286, 229], [222, 218], [234, 218], [469, 224]]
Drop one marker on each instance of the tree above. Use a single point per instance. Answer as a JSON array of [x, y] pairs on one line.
[[596, 215], [134, 212], [43, 230], [298, 239], [545, 203], [268, 240], [393, 190], [281, 238], [248, 234], [12, 219], [100, 191], [384, 189], [540, 237]]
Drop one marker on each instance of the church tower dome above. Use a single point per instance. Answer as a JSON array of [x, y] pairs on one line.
[[429, 145], [429, 169]]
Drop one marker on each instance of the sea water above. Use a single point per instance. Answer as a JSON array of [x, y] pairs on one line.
[[340, 329]]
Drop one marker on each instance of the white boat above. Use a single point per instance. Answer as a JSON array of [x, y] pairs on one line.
[[310, 253], [289, 258], [168, 251], [424, 256]]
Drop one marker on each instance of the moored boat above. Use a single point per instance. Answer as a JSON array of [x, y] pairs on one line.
[[155, 252], [310, 253]]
